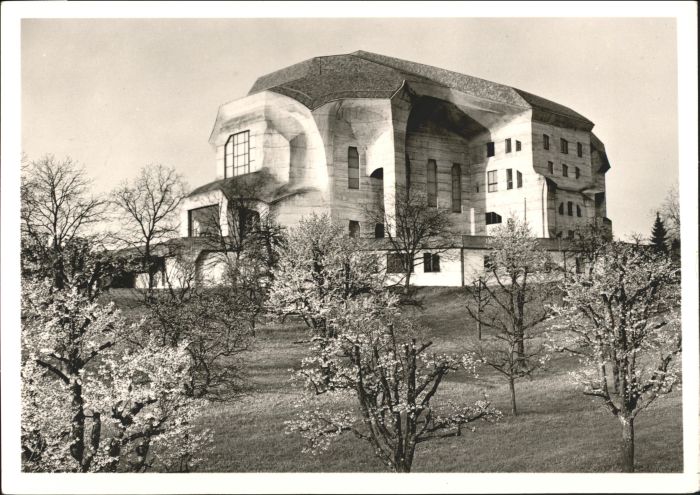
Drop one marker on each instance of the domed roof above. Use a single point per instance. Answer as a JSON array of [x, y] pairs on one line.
[[361, 74]]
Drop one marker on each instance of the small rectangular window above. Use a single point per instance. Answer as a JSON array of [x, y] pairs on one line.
[[570, 208], [520, 179], [354, 228], [577, 172], [395, 262], [518, 145], [579, 149], [509, 178], [561, 208], [490, 149], [492, 218], [431, 262], [578, 210], [492, 181], [456, 188], [564, 146], [564, 170], [550, 165], [379, 231], [545, 141], [508, 145], [353, 168]]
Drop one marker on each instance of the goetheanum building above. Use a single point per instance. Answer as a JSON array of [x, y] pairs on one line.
[[336, 134]]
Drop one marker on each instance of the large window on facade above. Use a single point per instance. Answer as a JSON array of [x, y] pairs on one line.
[[456, 188], [509, 178], [492, 177], [490, 149], [353, 168], [431, 262], [545, 141], [237, 154], [493, 218], [203, 222], [432, 183], [394, 263], [520, 179]]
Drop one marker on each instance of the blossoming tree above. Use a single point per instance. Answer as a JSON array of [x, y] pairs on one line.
[[621, 320], [92, 403], [382, 388]]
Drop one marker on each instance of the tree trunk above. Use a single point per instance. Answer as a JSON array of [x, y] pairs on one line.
[[627, 445], [513, 408], [77, 445]]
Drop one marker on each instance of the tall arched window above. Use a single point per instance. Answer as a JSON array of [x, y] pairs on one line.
[[432, 183], [353, 168], [456, 188], [408, 172]]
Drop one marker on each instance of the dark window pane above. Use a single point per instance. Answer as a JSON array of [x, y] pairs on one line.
[[354, 228], [545, 141], [509, 178], [490, 149], [379, 231], [353, 168], [492, 181], [456, 188], [518, 146], [432, 183], [564, 146], [520, 179], [550, 165], [508, 145]]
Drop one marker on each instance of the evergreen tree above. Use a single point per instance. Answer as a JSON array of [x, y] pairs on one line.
[[659, 235]]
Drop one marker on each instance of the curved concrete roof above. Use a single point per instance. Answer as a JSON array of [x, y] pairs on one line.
[[361, 74]]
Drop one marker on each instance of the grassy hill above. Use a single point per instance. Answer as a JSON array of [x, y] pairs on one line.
[[558, 429]]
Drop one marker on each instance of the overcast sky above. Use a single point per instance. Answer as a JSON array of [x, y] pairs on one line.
[[118, 94]]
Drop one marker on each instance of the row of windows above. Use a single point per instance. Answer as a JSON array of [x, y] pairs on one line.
[[492, 179], [491, 147], [354, 229], [395, 263], [570, 209], [564, 170], [563, 145]]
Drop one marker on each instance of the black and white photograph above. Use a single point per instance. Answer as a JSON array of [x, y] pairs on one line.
[[352, 247]]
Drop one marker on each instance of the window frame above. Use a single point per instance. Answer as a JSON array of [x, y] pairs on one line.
[[431, 263], [354, 229], [431, 183], [492, 186], [456, 188], [570, 208], [564, 170], [550, 167], [577, 172], [490, 149], [518, 145], [233, 156], [578, 211], [509, 179], [379, 228], [353, 165], [545, 141], [509, 145], [395, 263], [519, 179], [564, 146], [493, 218], [190, 226], [579, 149]]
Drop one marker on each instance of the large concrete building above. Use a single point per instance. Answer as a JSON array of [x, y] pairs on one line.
[[336, 134]]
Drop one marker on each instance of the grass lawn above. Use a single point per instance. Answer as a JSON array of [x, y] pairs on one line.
[[558, 429]]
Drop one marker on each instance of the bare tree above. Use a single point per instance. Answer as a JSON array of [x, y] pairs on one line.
[[509, 300], [671, 213], [411, 226], [150, 206], [621, 320], [57, 210]]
